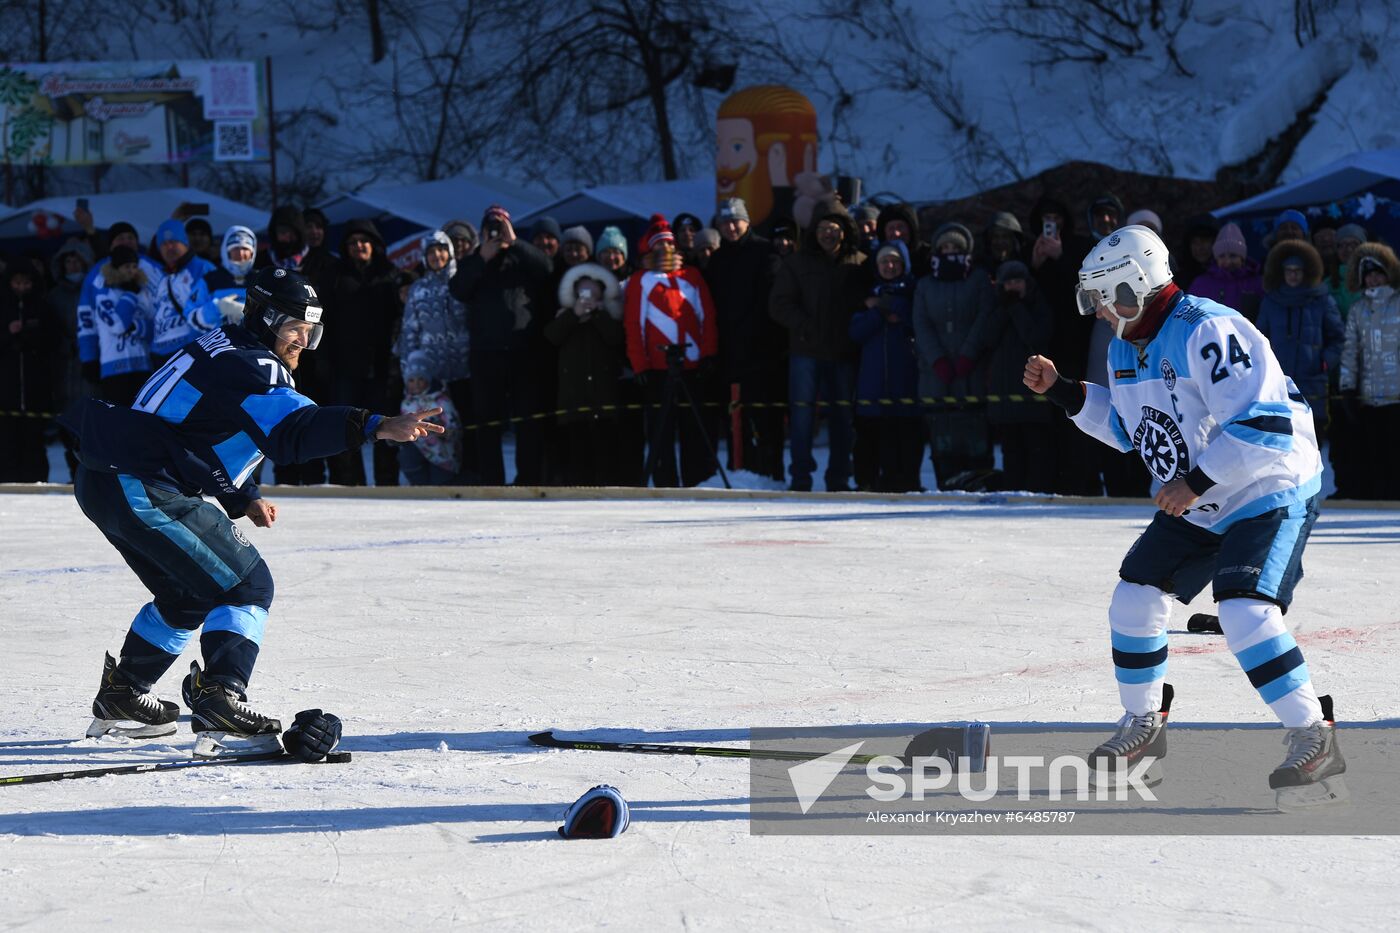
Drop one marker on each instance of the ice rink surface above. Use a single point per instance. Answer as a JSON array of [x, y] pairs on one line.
[[443, 632]]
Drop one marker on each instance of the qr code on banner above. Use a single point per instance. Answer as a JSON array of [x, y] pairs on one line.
[[232, 92], [233, 140]]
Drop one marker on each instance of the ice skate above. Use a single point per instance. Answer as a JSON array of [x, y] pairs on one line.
[[1138, 737], [222, 724], [1311, 775], [120, 709]]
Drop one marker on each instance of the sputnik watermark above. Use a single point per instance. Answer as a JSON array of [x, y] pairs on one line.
[[893, 778]]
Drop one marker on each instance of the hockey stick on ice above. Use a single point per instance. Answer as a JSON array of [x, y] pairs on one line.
[[923, 744], [178, 764]]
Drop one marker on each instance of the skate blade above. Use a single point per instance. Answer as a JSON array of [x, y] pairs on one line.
[[1113, 778], [227, 745], [1329, 792], [127, 728]]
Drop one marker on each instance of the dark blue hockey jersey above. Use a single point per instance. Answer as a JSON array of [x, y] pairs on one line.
[[203, 422]]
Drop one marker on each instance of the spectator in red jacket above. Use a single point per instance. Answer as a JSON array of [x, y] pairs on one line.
[[668, 305]]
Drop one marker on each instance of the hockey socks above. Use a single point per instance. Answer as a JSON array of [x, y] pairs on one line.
[[1271, 659], [1138, 617]]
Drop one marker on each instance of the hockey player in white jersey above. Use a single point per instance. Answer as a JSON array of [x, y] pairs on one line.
[[1196, 390]]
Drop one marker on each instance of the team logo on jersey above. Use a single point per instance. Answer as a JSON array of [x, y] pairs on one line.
[[1160, 444], [240, 538], [1169, 374]]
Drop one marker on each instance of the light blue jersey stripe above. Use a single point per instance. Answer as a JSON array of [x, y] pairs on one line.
[[268, 410], [1259, 438], [248, 621], [181, 536], [177, 405], [152, 627], [239, 455]]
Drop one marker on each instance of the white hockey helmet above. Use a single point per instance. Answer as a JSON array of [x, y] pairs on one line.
[[1124, 268]]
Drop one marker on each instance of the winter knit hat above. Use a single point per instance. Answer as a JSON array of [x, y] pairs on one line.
[[612, 238], [577, 235], [1292, 216], [417, 366], [733, 209], [1294, 262], [121, 226], [1346, 231], [240, 236], [687, 220], [1012, 269], [953, 232], [707, 238], [495, 212], [1145, 218], [315, 215], [658, 232], [547, 225], [198, 223], [865, 212], [1229, 240], [171, 231], [895, 247]]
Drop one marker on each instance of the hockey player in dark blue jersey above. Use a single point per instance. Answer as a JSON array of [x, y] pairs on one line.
[[200, 426]]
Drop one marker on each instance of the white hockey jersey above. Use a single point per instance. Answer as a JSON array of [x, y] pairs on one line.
[[1207, 392]]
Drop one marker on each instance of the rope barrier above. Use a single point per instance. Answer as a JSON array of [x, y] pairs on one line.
[[927, 402]]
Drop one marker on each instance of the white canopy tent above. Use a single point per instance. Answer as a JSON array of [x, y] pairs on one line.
[[1333, 182], [142, 209], [611, 203]]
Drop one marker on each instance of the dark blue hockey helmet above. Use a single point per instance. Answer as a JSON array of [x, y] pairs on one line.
[[278, 302]]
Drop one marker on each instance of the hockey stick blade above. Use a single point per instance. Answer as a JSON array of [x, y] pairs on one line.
[[178, 764], [549, 740]]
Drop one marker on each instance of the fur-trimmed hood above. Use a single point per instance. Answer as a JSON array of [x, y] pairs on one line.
[[1284, 250], [1379, 252], [612, 292]]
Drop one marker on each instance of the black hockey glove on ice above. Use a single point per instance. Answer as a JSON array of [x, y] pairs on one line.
[[313, 736]]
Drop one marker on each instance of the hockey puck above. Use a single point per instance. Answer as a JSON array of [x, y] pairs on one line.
[[338, 758], [1204, 623]]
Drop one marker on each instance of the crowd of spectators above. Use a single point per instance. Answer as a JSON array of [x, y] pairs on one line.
[[589, 347]]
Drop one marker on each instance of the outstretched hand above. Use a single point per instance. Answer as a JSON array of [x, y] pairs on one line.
[[409, 426], [1040, 374], [261, 513]]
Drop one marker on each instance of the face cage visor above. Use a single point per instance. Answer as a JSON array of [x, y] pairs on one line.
[[294, 331]]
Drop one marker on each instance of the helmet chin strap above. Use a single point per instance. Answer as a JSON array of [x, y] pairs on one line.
[[1125, 322]]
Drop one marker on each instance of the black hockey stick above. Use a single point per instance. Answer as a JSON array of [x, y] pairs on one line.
[[178, 764], [926, 743]]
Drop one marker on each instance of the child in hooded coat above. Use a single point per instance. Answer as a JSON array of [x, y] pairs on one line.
[[437, 459]]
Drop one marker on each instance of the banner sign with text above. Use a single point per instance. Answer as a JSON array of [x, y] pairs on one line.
[[148, 112]]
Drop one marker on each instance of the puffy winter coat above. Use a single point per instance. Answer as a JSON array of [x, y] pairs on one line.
[[1014, 330], [1239, 288], [888, 368], [591, 351], [498, 307], [1371, 354], [814, 294], [1302, 323], [949, 319], [435, 322]]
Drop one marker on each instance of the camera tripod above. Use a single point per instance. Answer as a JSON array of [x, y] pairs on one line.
[[675, 382]]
